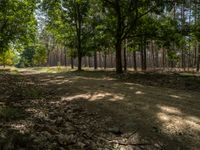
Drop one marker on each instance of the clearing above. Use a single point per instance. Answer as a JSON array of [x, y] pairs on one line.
[[98, 110]]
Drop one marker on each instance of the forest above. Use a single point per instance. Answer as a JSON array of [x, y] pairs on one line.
[[99, 74]]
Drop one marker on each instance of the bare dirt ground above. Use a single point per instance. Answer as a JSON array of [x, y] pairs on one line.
[[99, 110]]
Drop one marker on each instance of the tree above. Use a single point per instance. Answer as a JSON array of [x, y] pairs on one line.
[[17, 22], [125, 16], [7, 58], [40, 55]]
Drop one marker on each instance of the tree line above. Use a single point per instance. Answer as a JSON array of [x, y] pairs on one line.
[[138, 34]]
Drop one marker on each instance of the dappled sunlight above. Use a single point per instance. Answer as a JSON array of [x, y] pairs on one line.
[[95, 96], [95, 78], [176, 96], [139, 93], [76, 97], [133, 84], [58, 81], [99, 96], [38, 113], [175, 121], [22, 126], [117, 97], [170, 110]]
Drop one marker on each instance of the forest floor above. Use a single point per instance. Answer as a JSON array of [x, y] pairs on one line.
[[52, 109]]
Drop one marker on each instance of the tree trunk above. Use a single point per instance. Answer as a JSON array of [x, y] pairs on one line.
[[125, 55], [134, 61], [198, 59], [78, 30], [100, 63], [95, 59], [153, 54], [89, 62], [65, 55], [145, 56], [163, 59], [72, 62], [118, 58], [105, 60], [118, 38], [79, 56]]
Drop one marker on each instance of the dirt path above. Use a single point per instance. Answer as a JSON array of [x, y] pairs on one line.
[[95, 111]]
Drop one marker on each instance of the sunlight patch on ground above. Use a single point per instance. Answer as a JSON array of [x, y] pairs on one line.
[[58, 81], [95, 96], [22, 127], [139, 93], [175, 121], [99, 96], [133, 84], [170, 110], [37, 113], [76, 97], [176, 96]]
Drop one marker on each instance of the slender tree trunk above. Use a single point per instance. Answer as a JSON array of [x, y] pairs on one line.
[[125, 55], [134, 61], [163, 58], [79, 56], [100, 63], [89, 62], [111, 60], [72, 62], [95, 59], [78, 30], [65, 55], [183, 24], [195, 55], [142, 57], [153, 54], [105, 60], [118, 38], [198, 58], [145, 55]]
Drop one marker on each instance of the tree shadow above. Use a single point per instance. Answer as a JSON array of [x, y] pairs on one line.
[[86, 110]]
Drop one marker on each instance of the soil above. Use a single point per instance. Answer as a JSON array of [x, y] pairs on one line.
[[99, 110]]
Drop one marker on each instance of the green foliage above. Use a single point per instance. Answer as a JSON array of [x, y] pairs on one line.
[[40, 55], [33, 56], [7, 58], [17, 22], [27, 57]]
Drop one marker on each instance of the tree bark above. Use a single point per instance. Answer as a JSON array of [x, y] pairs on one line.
[[78, 30], [118, 58], [134, 61], [95, 59], [65, 55], [105, 60], [145, 56], [125, 55], [72, 62], [198, 59], [118, 38]]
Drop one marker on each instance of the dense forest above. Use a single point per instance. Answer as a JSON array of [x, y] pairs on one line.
[[99, 74], [137, 35]]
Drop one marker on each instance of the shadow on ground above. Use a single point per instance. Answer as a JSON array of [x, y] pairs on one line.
[[91, 110]]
